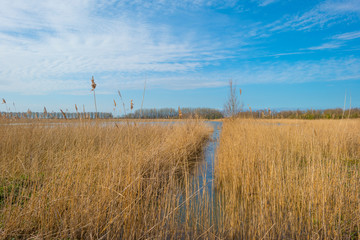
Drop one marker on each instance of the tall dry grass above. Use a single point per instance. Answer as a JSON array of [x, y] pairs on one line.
[[93, 181], [299, 179]]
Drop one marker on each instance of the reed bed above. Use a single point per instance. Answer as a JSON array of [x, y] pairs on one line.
[[92, 181], [289, 179]]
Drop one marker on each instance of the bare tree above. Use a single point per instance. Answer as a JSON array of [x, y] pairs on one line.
[[232, 105]]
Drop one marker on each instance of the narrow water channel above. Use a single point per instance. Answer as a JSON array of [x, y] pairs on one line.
[[205, 171], [201, 203]]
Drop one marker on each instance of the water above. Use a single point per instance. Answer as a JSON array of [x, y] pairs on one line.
[[205, 171], [200, 201]]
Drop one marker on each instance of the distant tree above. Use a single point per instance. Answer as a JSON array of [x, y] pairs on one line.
[[232, 105]]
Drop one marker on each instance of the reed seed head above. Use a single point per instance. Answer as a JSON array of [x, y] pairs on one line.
[[93, 84], [63, 114]]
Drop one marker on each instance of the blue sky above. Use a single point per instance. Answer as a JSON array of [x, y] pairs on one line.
[[283, 54]]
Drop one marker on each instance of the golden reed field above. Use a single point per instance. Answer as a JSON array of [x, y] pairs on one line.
[[274, 179], [92, 181], [289, 179]]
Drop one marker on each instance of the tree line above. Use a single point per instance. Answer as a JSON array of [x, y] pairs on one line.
[[204, 113], [335, 113], [171, 113], [56, 115]]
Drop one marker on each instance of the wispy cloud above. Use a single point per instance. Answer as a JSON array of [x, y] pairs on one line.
[[170, 6], [324, 14], [255, 73], [299, 71], [56, 46], [338, 41], [285, 54], [329, 45], [264, 3], [42, 46], [348, 36]]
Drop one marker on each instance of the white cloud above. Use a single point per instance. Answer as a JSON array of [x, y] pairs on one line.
[[324, 14], [347, 36], [43, 43], [340, 6], [57, 46], [264, 3], [168, 6], [254, 73], [329, 45], [339, 41], [299, 72]]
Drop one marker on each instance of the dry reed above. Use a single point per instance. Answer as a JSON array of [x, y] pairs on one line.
[[84, 180], [289, 179], [93, 86]]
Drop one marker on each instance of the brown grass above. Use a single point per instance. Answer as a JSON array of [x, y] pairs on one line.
[[91, 181], [300, 179]]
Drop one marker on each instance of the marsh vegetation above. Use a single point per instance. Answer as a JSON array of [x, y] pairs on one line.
[[292, 179], [83, 179], [93, 181]]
